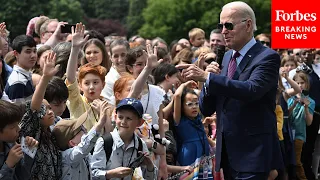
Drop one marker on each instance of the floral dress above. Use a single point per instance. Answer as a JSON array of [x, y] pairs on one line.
[[47, 161]]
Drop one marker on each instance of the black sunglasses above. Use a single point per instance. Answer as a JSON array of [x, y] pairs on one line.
[[228, 25], [266, 43]]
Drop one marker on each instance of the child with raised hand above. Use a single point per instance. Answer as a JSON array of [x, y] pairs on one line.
[[128, 87], [91, 80], [191, 137], [301, 109], [76, 145], [125, 146], [36, 122], [151, 96], [10, 151]]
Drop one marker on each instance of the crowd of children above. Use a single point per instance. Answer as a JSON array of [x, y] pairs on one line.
[[86, 107]]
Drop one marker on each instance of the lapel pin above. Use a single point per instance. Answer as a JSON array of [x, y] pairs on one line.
[[249, 55]]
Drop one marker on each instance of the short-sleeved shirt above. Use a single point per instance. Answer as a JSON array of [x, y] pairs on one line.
[[19, 87], [298, 117]]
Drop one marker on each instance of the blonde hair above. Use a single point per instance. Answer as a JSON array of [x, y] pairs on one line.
[[288, 58], [185, 55], [42, 24], [201, 50], [193, 33]]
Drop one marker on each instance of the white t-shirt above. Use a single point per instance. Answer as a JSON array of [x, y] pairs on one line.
[[151, 102], [110, 79]]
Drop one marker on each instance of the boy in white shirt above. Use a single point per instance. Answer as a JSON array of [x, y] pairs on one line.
[[125, 146]]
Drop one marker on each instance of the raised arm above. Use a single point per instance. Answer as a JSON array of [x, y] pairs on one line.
[[294, 90], [49, 70], [200, 63], [177, 100], [263, 78], [56, 36], [152, 63], [78, 41]]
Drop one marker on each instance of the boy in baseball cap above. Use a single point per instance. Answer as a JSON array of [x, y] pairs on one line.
[[76, 145], [125, 146]]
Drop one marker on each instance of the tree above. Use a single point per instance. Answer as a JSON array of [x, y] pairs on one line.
[[135, 19], [106, 9], [172, 19], [66, 10], [17, 13], [105, 26]]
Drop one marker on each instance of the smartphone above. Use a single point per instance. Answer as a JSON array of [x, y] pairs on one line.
[[67, 28], [137, 162]]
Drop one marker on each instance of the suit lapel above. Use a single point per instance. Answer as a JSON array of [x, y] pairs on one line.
[[253, 51], [225, 62]]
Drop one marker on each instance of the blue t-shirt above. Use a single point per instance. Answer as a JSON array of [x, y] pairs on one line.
[[298, 117]]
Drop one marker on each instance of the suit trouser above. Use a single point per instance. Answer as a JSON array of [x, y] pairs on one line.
[[308, 148], [230, 174], [298, 144], [316, 158]]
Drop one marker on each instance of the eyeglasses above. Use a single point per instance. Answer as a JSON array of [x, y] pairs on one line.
[[266, 43], [192, 104], [228, 25], [139, 64], [50, 32]]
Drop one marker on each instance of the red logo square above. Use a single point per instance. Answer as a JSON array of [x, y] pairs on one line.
[[295, 24]]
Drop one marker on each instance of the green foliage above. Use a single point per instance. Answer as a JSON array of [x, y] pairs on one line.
[[169, 19], [106, 9], [172, 19], [66, 10], [17, 13], [135, 19]]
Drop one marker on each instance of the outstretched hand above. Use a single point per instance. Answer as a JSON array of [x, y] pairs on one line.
[[78, 39], [50, 68], [2, 29], [192, 72], [152, 61]]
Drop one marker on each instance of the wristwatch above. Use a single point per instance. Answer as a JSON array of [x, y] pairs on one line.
[[154, 145]]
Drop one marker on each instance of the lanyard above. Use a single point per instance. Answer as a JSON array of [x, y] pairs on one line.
[[202, 140]]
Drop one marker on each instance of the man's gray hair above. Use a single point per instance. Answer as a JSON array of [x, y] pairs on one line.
[[244, 10]]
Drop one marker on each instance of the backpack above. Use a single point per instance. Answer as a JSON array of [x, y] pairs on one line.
[[108, 143]]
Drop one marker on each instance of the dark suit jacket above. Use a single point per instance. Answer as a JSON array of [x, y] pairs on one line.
[[245, 109]]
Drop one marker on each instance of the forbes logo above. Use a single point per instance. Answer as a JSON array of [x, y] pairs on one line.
[[296, 16]]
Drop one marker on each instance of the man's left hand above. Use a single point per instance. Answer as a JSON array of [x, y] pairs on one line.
[[193, 72]]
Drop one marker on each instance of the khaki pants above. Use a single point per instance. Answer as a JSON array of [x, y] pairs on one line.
[[298, 149]]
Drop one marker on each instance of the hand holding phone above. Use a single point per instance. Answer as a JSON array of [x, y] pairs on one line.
[[137, 162], [67, 28]]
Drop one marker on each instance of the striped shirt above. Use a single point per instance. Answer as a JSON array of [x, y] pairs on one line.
[[19, 87]]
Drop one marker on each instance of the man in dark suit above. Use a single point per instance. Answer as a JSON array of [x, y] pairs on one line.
[[243, 96]]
